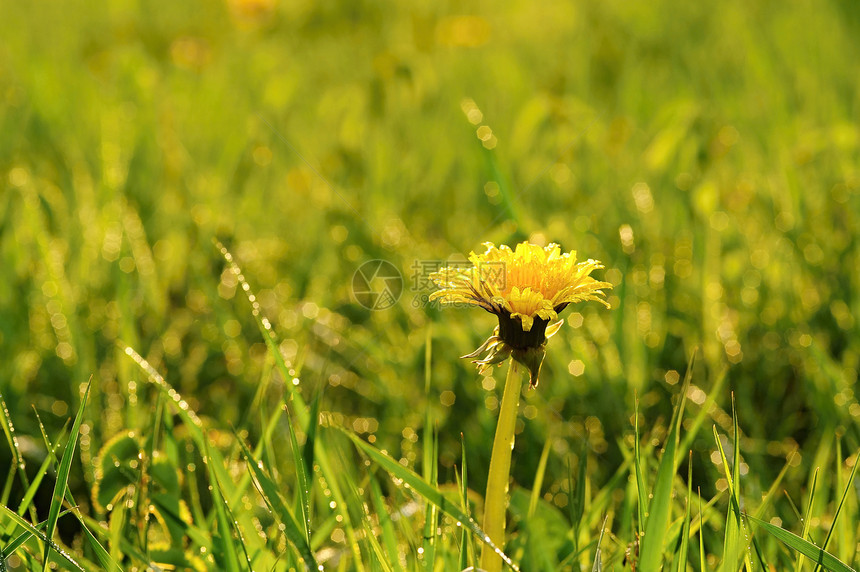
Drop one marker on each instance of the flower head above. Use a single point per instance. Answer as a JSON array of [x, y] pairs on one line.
[[526, 288]]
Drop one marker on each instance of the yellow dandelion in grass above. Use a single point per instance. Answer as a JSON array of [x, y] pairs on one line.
[[526, 288]]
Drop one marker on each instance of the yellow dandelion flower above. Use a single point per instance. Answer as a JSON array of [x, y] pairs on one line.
[[526, 288]]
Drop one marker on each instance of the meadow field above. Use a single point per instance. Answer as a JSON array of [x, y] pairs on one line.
[[217, 224]]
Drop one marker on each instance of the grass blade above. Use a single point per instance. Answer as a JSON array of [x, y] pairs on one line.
[[651, 554], [105, 559], [428, 492], [681, 564], [311, 431], [651, 548], [430, 465], [63, 477], [539, 476], [731, 543], [279, 508], [805, 547], [17, 458], [267, 332], [598, 564], [389, 538], [701, 534], [839, 508], [303, 485], [641, 489], [32, 530], [577, 506], [431, 518], [807, 517], [465, 539]]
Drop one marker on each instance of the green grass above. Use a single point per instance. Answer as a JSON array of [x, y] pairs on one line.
[[155, 410]]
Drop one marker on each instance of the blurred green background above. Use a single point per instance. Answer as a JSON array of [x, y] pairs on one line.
[[708, 153]]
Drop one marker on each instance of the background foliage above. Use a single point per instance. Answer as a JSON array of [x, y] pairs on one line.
[[707, 153]]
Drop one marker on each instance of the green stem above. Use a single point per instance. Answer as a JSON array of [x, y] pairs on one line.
[[495, 501]]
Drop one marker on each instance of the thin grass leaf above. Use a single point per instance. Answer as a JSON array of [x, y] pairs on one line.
[[692, 431], [731, 542], [807, 518], [26, 501], [150, 447], [212, 458], [429, 466], [107, 562], [805, 547], [128, 548], [765, 503], [311, 430], [736, 477], [598, 564], [389, 538], [267, 332], [842, 528], [358, 506], [242, 486], [116, 527], [422, 488], [63, 477], [465, 538], [300, 407], [701, 535], [303, 489], [641, 489], [376, 549], [651, 549], [774, 488], [279, 508], [577, 504], [18, 463], [332, 478], [660, 505], [793, 506], [681, 560], [229, 523], [16, 543], [7, 487], [839, 508], [431, 516], [539, 476], [32, 531], [105, 559]]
